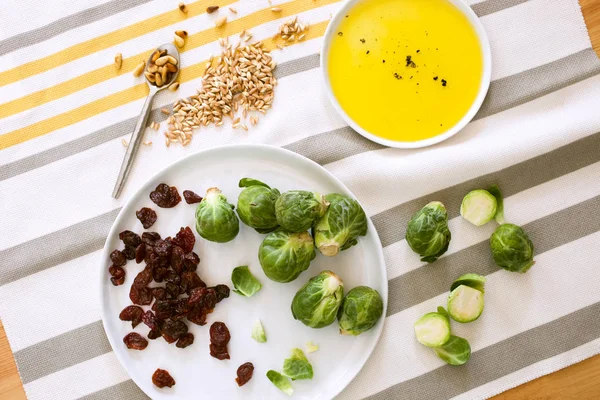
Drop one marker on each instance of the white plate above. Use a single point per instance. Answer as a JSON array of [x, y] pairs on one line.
[[197, 374]]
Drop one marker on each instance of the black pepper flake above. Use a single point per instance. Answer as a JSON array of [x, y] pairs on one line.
[[384, 61], [368, 51], [347, 16], [362, 40], [418, 51], [411, 77], [410, 62], [444, 82], [435, 78], [340, 33], [397, 76]]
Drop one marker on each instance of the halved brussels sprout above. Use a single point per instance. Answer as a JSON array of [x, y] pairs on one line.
[[297, 366], [456, 351], [361, 309], [343, 222], [281, 382], [258, 332], [511, 248], [299, 210], [465, 304], [256, 205], [495, 191], [427, 233], [316, 304], [432, 329], [479, 207], [284, 255], [215, 219], [475, 281], [244, 282]]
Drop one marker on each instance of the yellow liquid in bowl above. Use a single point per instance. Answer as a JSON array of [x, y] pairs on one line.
[[405, 70]]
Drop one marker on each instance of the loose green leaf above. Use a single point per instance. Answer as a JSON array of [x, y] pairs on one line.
[[495, 191], [281, 382], [465, 304], [427, 233], [258, 332], [441, 310], [475, 281], [456, 351], [247, 182], [311, 347], [511, 248], [244, 282], [432, 329], [297, 366]]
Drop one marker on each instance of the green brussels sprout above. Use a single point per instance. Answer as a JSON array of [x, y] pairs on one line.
[[244, 282], [465, 304], [316, 304], [361, 309], [281, 382], [456, 351], [475, 281], [297, 366], [258, 332], [343, 222], [511, 248], [427, 233], [495, 191], [256, 205], [298, 210], [284, 255], [479, 207], [432, 329], [215, 219]]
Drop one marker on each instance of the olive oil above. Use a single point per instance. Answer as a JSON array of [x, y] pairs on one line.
[[405, 70]]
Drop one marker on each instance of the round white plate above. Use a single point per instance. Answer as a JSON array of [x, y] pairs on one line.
[[198, 375]]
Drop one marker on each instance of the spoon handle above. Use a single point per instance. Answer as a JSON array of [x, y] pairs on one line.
[[134, 144]]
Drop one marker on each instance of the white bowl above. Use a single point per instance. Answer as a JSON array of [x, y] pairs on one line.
[[483, 87]]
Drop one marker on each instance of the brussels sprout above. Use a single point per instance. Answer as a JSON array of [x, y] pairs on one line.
[[311, 347], [495, 191], [361, 309], [427, 233], [298, 210], [456, 351], [343, 222], [283, 255], [465, 304], [297, 366], [479, 207], [475, 281], [316, 304], [432, 329], [244, 282], [256, 205], [281, 382], [511, 248], [215, 219], [258, 332]]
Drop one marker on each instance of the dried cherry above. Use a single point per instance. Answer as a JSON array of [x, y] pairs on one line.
[[162, 378], [175, 329], [118, 258], [154, 334], [210, 299], [219, 352], [165, 196], [140, 253], [147, 217], [129, 252], [173, 277], [185, 239], [219, 334], [190, 281], [222, 292], [191, 261], [162, 248], [244, 373], [177, 259], [150, 238], [172, 291], [116, 272], [140, 295], [150, 320], [197, 315], [130, 239], [159, 293], [133, 314], [191, 197], [185, 340], [117, 281], [135, 341], [159, 273], [164, 309]]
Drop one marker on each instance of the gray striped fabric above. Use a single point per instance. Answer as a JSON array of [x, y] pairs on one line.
[[333, 148]]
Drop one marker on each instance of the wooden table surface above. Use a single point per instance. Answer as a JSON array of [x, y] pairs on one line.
[[577, 382]]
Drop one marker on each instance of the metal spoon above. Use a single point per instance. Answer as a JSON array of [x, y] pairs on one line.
[[138, 131]]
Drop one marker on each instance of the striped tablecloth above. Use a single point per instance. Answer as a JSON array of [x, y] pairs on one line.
[[64, 111]]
